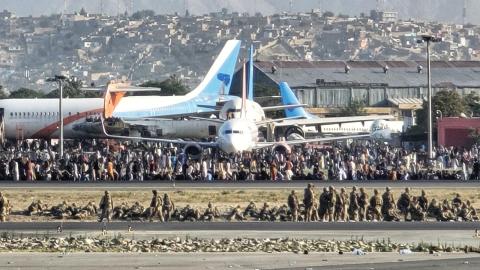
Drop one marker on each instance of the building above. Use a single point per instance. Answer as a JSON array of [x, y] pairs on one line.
[[454, 131], [385, 87]]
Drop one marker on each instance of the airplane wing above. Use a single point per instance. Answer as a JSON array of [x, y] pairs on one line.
[[282, 107], [179, 142], [330, 120], [314, 140]]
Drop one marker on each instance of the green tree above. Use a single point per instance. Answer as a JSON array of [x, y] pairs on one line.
[[449, 103], [25, 93], [355, 108], [142, 14], [472, 103], [3, 93], [172, 86], [71, 89]]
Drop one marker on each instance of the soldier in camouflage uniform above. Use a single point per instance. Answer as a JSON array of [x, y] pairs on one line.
[[168, 207], [388, 206], [375, 209], [331, 203], [293, 205], [4, 207], [353, 205], [251, 210], [211, 213], [323, 205], [341, 205], [308, 200], [423, 201], [156, 206], [236, 214], [106, 205], [404, 202], [363, 202], [416, 211]]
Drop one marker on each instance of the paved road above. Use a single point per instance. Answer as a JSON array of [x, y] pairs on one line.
[[227, 261], [457, 264], [235, 185], [241, 226]]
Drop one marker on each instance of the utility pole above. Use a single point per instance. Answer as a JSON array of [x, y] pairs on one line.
[[429, 39], [464, 15], [59, 79]]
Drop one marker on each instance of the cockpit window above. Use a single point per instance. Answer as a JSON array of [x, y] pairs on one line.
[[237, 132], [228, 131]]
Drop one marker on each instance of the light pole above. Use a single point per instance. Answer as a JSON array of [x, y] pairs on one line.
[[60, 80], [429, 39]]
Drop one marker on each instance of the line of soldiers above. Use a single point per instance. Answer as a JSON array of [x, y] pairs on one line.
[[358, 206], [330, 206]]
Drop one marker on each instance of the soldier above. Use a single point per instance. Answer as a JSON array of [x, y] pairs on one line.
[[404, 202], [388, 201], [34, 208], [235, 214], [265, 213], [341, 205], [363, 202], [106, 205], [3, 207], [416, 212], [457, 204], [251, 210], [156, 206], [168, 207], [210, 213], [353, 204], [331, 203], [434, 210], [465, 213], [375, 212], [60, 211], [473, 211], [282, 213], [423, 201], [323, 204], [136, 211], [308, 200], [293, 205], [446, 214], [120, 212]]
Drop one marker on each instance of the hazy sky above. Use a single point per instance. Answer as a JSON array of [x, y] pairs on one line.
[[442, 10]]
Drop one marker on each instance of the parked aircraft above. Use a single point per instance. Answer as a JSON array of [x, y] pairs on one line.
[[38, 118], [239, 135]]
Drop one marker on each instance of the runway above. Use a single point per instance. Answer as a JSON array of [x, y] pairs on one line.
[[167, 185], [240, 226]]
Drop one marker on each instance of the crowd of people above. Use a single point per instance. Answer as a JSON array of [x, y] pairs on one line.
[[331, 205], [101, 160]]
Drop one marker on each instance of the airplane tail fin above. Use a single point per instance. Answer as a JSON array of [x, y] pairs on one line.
[[114, 92], [250, 74], [289, 98], [219, 77]]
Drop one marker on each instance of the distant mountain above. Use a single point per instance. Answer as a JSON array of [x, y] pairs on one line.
[[439, 10]]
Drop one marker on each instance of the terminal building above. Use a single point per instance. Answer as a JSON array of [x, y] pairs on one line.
[[385, 87]]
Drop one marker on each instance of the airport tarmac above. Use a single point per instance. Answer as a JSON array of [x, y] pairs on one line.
[[167, 185], [195, 261]]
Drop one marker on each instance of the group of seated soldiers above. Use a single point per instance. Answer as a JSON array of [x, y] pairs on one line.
[[358, 206], [331, 206]]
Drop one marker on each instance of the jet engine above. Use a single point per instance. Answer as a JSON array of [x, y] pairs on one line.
[[282, 148], [193, 151], [294, 133]]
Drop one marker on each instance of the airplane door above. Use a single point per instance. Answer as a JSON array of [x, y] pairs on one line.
[[212, 130]]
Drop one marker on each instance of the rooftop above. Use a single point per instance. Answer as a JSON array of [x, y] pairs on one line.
[[400, 73]]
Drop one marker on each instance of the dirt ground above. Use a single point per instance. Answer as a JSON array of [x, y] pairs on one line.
[[223, 199]]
